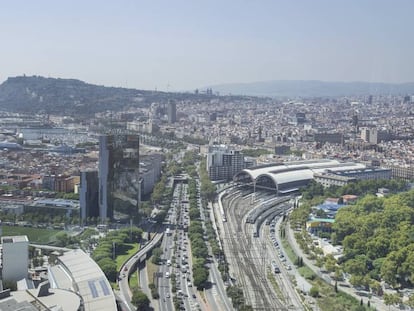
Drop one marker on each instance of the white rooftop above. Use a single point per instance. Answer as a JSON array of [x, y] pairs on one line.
[[91, 282]]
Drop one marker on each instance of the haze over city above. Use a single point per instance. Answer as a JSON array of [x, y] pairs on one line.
[[206, 155], [183, 45]]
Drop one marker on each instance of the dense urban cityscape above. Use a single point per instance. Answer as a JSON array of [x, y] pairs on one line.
[[206, 155], [209, 202]]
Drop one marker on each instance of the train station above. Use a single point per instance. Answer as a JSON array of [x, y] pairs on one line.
[[288, 177]]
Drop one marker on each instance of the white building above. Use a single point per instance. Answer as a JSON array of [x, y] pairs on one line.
[[223, 163], [369, 135], [15, 257]]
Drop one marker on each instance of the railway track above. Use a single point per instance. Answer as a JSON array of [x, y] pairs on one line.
[[245, 257]]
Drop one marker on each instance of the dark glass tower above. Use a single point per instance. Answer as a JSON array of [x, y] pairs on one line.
[[119, 189]]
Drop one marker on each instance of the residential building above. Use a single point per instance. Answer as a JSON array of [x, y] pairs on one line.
[[223, 163]]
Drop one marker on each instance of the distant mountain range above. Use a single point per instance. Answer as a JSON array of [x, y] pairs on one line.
[[35, 94], [312, 88]]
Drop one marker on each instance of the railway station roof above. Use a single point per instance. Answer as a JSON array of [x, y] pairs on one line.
[[292, 175]]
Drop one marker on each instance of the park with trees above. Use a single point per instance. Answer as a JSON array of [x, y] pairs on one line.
[[115, 243], [376, 234]]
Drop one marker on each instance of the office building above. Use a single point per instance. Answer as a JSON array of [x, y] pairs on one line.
[[119, 189], [172, 112], [15, 257], [89, 194]]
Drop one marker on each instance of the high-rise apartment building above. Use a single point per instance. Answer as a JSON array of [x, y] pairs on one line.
[[223, 163], [172, 112], [15, 257], [119, 188]]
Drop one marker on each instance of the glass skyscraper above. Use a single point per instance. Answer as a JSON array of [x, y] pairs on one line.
[[119, 189]]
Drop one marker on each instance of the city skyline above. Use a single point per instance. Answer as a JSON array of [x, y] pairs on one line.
[[188, 45]]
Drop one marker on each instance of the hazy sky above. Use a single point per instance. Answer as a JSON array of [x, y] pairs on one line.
[[181, 45]]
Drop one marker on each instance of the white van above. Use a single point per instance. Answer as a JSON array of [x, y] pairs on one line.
[[167, 274]]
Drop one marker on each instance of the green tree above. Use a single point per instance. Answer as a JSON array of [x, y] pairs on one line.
[[200, 276], [410, 301], [108, 267], [156, 256], [62, 239], [330, 263], [140, 300], [314, 291], [392, 299]]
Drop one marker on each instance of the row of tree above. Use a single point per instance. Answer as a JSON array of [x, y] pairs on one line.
[[200, 253], [360, 187], [198, 245], [208, 189]]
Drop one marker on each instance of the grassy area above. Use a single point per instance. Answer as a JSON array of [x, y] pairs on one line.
[[133, 281], [151, 270], [132, 248], [35, 235], [331, 301], [289, 251], [306, 272], [276, 287]]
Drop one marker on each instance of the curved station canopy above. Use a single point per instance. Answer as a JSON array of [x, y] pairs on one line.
[[288, 177]]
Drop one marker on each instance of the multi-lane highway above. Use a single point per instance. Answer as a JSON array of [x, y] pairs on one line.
[[177, 258], [167, 245], [174, 277]]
